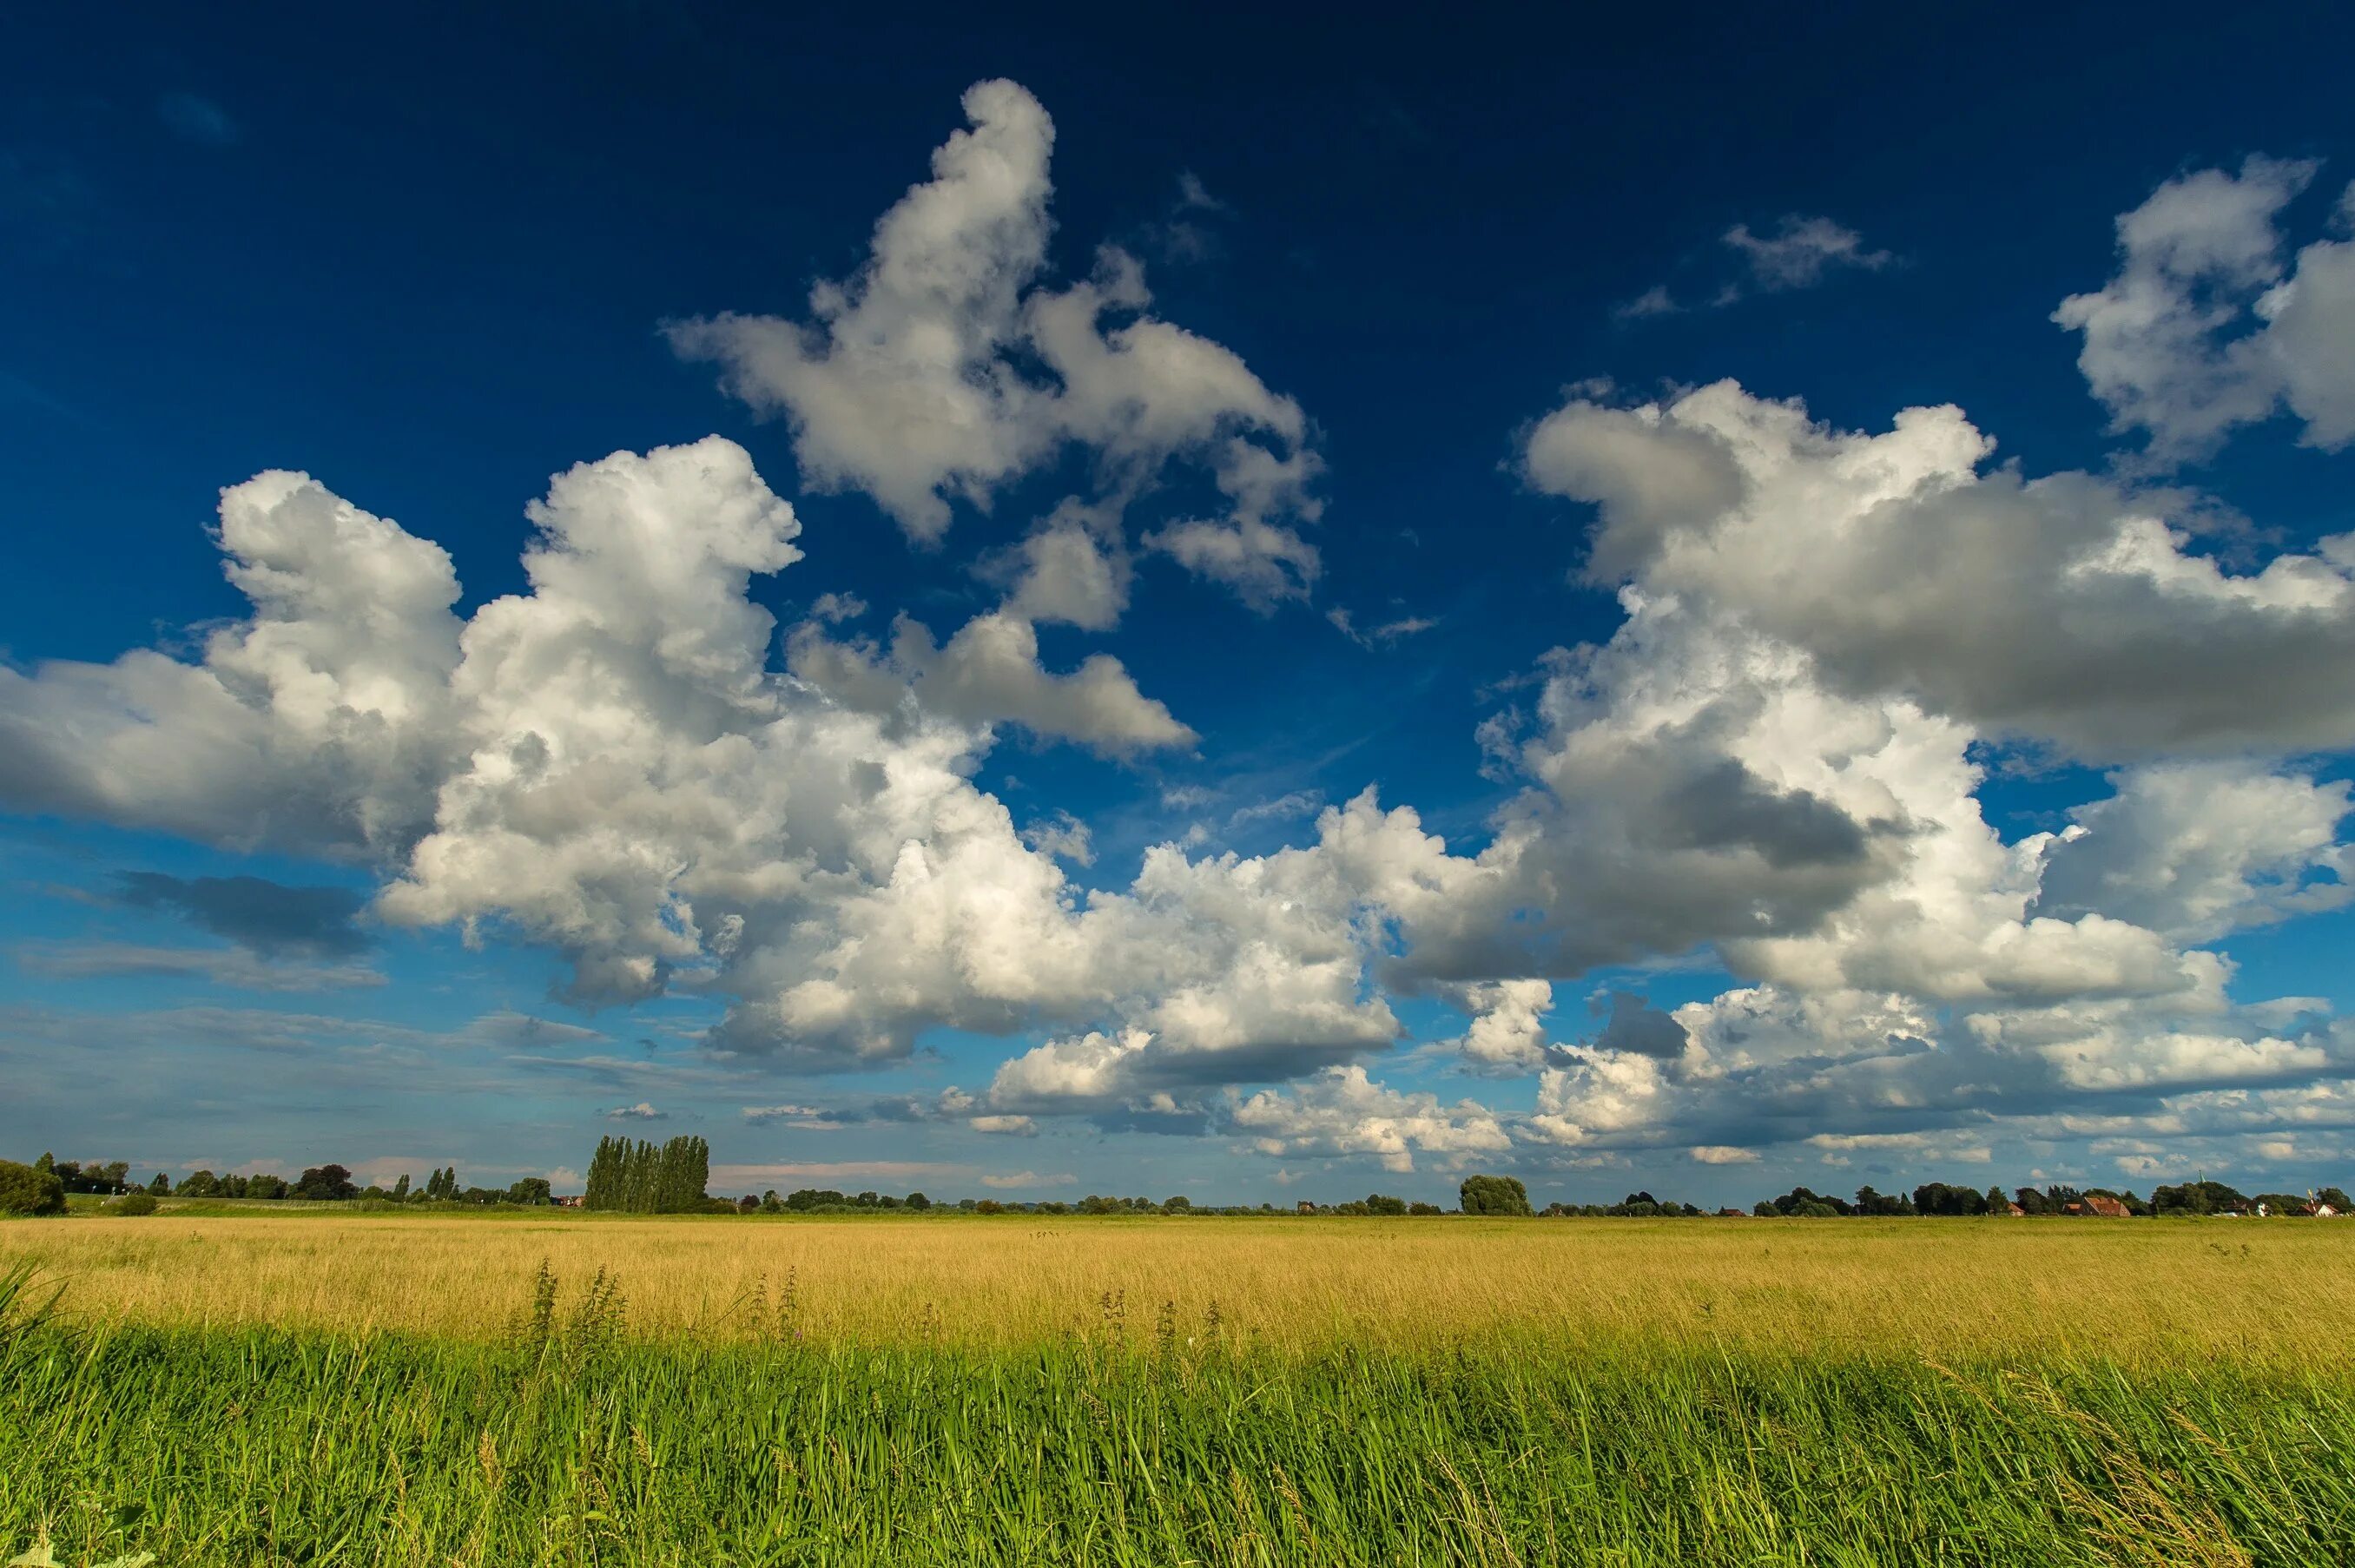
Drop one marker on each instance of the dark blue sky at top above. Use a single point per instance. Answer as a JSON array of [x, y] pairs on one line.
[[423, 253]]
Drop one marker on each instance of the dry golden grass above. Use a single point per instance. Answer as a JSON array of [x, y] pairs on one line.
[[2135, 1291]]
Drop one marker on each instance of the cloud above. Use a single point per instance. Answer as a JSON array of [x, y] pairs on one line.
[[641, 1112], [1064, 836], [2067, 610], [1388, 632], [1341, 1111], [231, 968], [1721, 1154], [1772, 765], [837, 608], [269, 918], [2203, 328], [1506, 1034], [988, 673], [2197, 850], [1008, 1180], [1654, 300], [314, 726], [764, 1115], [1800, 252], [948, 366]]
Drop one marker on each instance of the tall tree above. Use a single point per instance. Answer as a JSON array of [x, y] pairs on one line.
[[1492, 1195]]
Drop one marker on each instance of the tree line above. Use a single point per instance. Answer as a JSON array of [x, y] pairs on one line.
[[318, 1184], [640, 1178]]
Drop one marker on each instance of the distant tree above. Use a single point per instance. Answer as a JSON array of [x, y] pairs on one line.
[[2336, 1198], [46, 1163], [1424, 1209], [135, 1203], [1805, 1200], [682, 1171], [532, 1192], [604, 1166], [919, 1201], [400, 1189], [2030, 1201], [1938, 1198], [261, 1184], [199, 1184], [325, 1184], [1376, 1203], [988, 1206], [2198, 1198], [770, 1203], [30, 1188], [1492, 1195], [1867, 1202], [160, 1187], [1764, 1210], [1996, 1204]]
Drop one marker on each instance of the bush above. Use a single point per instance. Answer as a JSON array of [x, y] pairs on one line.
[[134, 1203], [24, 1190]]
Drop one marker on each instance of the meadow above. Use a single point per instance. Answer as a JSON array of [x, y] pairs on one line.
[[574, 1389]]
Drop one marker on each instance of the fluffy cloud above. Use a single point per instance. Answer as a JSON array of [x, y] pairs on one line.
[[947, 367], [1773, 765], [989, 673], [2197, 850], [1342, 1112], [2066, 610], [313, 725], [2203, 327]]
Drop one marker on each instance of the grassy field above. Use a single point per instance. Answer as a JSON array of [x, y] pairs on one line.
[[410, 1389]]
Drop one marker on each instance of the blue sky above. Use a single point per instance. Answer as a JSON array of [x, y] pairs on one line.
[[930, 747]]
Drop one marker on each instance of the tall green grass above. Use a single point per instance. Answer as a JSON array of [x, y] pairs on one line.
[[568, 1442]]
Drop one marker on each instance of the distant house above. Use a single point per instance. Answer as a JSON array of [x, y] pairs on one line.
[[575, 1201], [2014, 1210], [1306, 1207], [2322, 1210], [1734, 1213], [2107, 1207]]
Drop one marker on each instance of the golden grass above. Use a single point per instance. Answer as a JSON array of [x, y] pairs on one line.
[[2133, 1291]]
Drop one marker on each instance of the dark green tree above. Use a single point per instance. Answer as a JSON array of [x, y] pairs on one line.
[[325, 1184], [1938, 1198], [30, 1189], [1492, 1195]]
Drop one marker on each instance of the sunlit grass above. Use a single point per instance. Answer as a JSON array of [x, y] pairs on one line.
[[415, 1390], [2125, 1290]]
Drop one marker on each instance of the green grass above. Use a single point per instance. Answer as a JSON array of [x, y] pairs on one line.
[[569, 1443]]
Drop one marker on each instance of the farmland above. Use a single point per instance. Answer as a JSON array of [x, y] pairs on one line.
[[404, 1389]]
